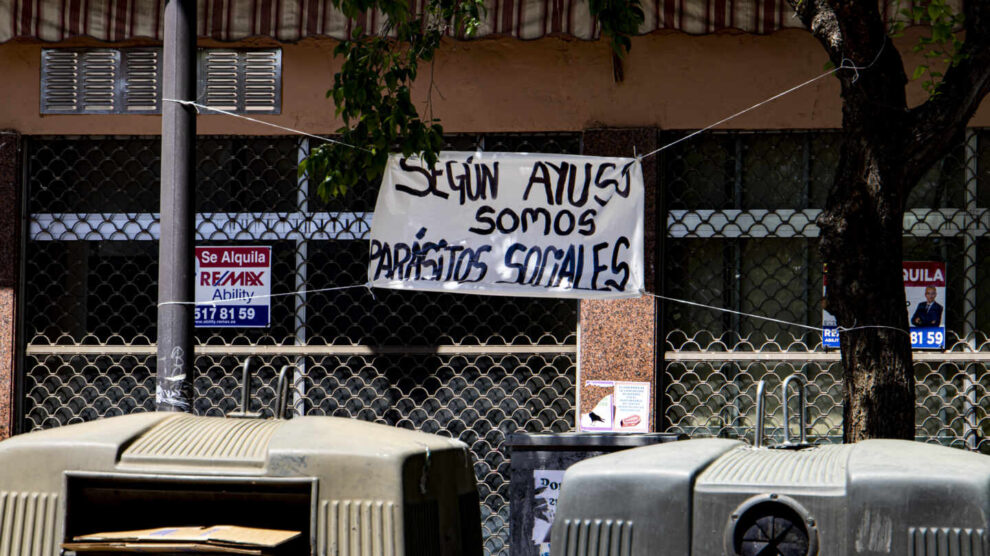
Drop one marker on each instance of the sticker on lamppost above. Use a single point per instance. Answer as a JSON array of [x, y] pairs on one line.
[[924, 289], [233, 287]]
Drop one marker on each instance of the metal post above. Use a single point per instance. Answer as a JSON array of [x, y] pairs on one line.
[[660, 421], [173, 390], [971, 428], [302, 282]]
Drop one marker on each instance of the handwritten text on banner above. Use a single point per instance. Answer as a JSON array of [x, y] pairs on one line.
[[510, 224]]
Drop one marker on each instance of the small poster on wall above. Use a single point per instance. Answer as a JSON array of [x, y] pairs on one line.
[[618, 406], [632, 407], [599, 419], [924, 289]]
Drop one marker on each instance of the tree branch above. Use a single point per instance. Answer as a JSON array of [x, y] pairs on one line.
[[939, 120], [853, 32], [819, 18]]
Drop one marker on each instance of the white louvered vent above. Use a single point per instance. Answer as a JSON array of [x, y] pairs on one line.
[[99, 80], [242, 80], [59, 81], [129, 80], [142, 81], [221, 79], [262, 75]]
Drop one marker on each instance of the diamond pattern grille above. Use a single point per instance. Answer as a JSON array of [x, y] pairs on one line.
[[741, 235], [470, 367]]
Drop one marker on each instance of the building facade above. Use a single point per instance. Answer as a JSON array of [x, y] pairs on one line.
[[730, 225]]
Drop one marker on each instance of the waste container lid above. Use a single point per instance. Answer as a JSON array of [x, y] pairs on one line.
[[585, 441]]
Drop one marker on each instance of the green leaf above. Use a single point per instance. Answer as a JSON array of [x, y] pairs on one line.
[[941, 44], [371, 91]]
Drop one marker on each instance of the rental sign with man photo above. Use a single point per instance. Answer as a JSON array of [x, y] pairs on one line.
[[924, 290], [534, 225]]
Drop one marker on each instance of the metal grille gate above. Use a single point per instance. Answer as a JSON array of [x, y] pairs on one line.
[[472, 367], [741, 234]]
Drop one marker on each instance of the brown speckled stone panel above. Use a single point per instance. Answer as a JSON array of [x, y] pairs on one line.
[[10, 226], [7, 352], [617, 344], [618, 336]]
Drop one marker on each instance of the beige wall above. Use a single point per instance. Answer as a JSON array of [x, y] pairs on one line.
[[673, 81]]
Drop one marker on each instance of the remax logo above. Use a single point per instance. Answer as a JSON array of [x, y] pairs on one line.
[[218, 279]]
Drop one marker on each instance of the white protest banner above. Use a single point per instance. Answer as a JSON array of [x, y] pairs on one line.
[[538, 225]]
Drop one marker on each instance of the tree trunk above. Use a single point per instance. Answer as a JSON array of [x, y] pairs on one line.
[[861, 231], [887, 148], [862, 237]]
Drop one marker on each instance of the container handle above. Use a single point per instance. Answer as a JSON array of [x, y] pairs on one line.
[[761, 394], [802, 384], [245, 394], [282, 392], [246, 386]]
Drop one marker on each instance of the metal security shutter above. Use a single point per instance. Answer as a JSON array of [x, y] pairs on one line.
[[741, 235], [471, 367], [128, 80]]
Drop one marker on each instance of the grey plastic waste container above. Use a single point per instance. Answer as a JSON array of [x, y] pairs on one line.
[[538, 462]]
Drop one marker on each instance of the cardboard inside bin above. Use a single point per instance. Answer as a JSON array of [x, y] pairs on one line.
[[216, 539]]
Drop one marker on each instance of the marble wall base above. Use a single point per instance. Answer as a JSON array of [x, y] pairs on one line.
[[618, 343]]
